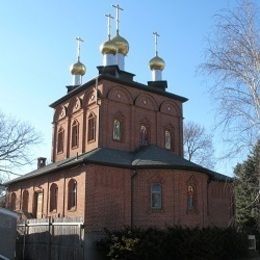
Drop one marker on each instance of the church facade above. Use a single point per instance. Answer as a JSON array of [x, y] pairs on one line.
[[117, 156]]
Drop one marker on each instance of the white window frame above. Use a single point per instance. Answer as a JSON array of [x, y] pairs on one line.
[[156, 192]]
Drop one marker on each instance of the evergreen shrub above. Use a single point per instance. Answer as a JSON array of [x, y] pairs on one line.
[[174, 243]]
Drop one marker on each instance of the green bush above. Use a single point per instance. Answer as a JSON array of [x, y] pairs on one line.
[[174, 243]]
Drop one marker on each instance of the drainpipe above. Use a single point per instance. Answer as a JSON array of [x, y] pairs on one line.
[[64, 195], [48, 197], [207, 202], [133, 174], [21, 198]]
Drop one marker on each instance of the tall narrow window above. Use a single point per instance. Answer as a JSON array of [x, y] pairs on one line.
[[60, 140], [156, 196], [25, 201], [13, 201], [91, 128], [117, 130], [190, 197], [143, 135], [53, 197], [167, 140], [75, 134], [72, 194]]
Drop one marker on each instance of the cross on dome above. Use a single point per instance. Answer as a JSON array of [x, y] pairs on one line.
[[79, 40], [156, 35], [109, 17], [118, 8]]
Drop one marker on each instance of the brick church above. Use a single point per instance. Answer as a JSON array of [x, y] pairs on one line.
[[117, 155]]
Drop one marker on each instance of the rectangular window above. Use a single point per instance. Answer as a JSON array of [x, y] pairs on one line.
[[92, 129], [75, 135], [156, 196], [60, 140]]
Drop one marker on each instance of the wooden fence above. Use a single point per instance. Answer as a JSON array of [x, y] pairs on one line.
[[50, 239]]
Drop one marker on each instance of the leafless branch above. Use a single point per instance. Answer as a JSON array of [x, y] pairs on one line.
[[16, 139], [233, 59], [198, 145]]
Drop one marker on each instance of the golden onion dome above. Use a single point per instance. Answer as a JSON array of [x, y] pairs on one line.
[[78, 68], [108, 47], [121, 44], [156, 63]]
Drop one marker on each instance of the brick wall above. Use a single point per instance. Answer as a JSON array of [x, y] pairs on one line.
[[133, 106], [220, 203], [104, 197], [43, 184]]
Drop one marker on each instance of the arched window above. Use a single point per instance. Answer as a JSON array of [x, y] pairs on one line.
[[167, 140], [190, 197], [13, 201], [53, 197], [72, 194], [60, 140], [91, 128], [25, 200], [117, 130], [156, 196], [75, 134], [144, 140]]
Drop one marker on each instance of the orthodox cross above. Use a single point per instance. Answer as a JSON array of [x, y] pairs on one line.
[[109, 17], [79, 40], [156, 35], [118, 8]]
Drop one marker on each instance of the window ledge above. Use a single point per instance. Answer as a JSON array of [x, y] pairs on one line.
[[192, 211], [72, 209], [156, 210]]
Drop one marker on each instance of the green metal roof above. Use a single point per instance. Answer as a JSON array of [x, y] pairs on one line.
[[120, 80], [147, 157]]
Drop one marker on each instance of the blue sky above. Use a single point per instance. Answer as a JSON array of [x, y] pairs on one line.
[[38, 45]]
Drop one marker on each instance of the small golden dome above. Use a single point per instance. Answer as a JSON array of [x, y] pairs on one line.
[[156, 63], [78, 68], [108, 47], [121, 44]]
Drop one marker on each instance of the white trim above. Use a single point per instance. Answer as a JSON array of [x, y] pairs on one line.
[[156, 192]]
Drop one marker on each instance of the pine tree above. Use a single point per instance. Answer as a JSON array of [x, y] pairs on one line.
[[247, 191]]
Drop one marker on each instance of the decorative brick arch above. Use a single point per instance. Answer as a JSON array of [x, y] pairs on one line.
[[155, 178], [74, 105], [60, 113], [147, 102], [119, 94], [170, 108], [89, 97]]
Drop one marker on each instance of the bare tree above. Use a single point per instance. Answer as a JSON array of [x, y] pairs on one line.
[[198, 145], [233, 58], [16, 139]]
